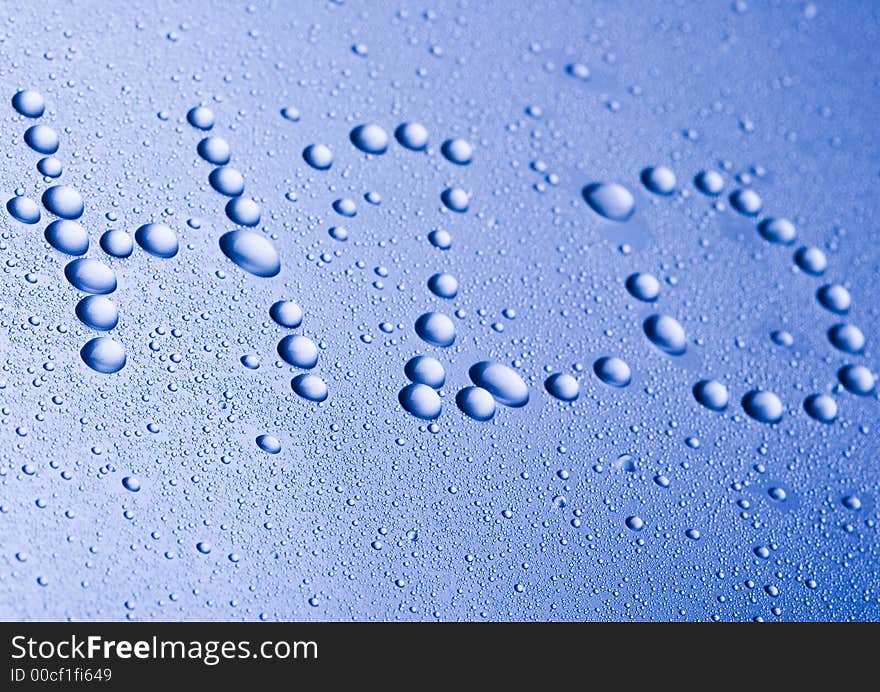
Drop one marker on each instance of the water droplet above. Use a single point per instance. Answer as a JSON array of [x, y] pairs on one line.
[[250, 361], [103, 354], [780, 337], [63, 201], [578, 71], [369, 138], [821, 407], [443, 285], [458, 151], [286, 314], [562, 386], [441, 240], [413, 136], [612, 371], [90, 276], [777, 494], [29, 103], [834, 298], [635, 523], [227, 181], [252, 252], [243, 211], [777, 230], [214, 150], [659, 179], [345, 207], [309, 387], [503, 383], [856, 379], [666, 334], [269, 444], [763, 406], [421, 401], [426, 370], [299, 351], [201, 118], [157, 239], [852, 502], [811, 260], [23, 209], [476, 402], [746, 201], [456, 199], [644, 287], [116, 243], [291, 113], [131, 483], [709, 182], [203, 547], [318, 156], [97, 312], [847, 338], [712, 394], [67, 237], [42, 139], [610, 200], [436, 329], [49, 166]]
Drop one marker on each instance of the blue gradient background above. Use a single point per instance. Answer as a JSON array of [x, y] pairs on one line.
[[366, 513]]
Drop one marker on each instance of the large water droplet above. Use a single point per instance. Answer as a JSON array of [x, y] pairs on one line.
[[97, 312], [214, 150], [227, 181], [458, 151], [612, 371], [763, 406], [421, 401], [746, 201], [157, 239], [131, 483], [856, 379], [200, 117], [644, 287], [709, 182], [811, 260], [310, 387], [712, 394], [443, 285], [29, 103], [116, 243], [243, 211], [67, 237], [286, 313], [476, 403], [847, 338], [834, 298], [90, 276], [104, 355], [369, 138], [436, 329], [666, 334], [299, 351], [49, 166], [426, 370], [42, 139], [413, 136], [562, 386], [456, 199], [23, 209], [269, 444], [252, 252], [777, 230], [318, 156], [610, 200], [503, 383], [63, 201], [821, 407], [659, 179]]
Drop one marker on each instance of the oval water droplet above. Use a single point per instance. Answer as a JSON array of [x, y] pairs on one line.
[[458, 151], [666, 334], [214, 150], [318, 156], [421, 401], [502, 382], [562, 386], [369, 138], [117, 243], [613, 371], [200, 117], [811, 260], [23, 209], [67, 237], [443, 285], [610, 200], [746, 201], [856, 379], [712, 394], [42, 139], [157, 239], [821, 407], [847, 338], [456, 199], [286, 314], [90, 276], [777, 230], [709, 182], [103, 354], [644, 287], [252, 252], [29, 103], [299, 351], [63, 201], [131, 483], [269, 443], [425, 370], [436, 329], [227, 181], [763, 406], [97, 312], [659, 179], [476, 403], [412, 136], [834, 298], [310, 387], [50, 167]]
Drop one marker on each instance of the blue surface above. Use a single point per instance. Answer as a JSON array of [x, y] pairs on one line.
[[146, 495]]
